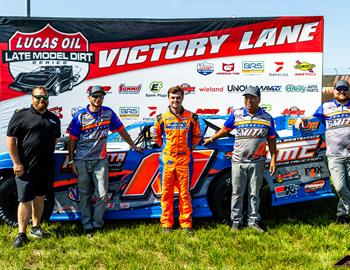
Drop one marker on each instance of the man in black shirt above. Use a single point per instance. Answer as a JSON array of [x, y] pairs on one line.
[[31, 137]]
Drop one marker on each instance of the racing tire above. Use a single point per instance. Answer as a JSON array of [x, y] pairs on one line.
[[219, 198], [9, 203]]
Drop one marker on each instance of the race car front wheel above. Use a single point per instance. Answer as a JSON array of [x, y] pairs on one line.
[[9, 203], [219, 198]]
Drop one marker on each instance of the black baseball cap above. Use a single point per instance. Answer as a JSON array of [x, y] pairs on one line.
[[96, 89], [342, 84], [251, 90]]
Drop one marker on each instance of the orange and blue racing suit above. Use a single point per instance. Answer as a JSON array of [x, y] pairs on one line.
[[178, 135]]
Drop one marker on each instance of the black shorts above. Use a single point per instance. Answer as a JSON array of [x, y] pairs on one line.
[[29, 186]]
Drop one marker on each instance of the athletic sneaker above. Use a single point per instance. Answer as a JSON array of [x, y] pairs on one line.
[[20, 240], [38, 232], [189, 231], [343, 219], [256, 227], [166, 230], [236, 226]]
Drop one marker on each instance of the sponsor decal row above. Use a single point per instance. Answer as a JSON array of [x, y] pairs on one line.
[[293, 189], [157, 89], [278, 68]]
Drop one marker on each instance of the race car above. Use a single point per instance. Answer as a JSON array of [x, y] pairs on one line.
[[55, 79], [134, 186]]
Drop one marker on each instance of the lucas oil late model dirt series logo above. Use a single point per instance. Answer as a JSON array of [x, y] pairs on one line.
[[59, 61]]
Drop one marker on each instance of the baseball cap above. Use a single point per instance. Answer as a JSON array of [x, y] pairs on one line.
[[251, 90], [342, 84], [96, 89]]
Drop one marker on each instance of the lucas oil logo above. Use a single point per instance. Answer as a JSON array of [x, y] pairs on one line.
[[48, 57], [205, 68]]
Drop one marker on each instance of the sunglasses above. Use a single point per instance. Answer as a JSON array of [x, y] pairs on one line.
[[342, 89], [97, 96], [38, 97]]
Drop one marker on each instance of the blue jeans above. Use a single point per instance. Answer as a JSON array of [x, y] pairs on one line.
[[92, 179], [246, 174], [339, 168]]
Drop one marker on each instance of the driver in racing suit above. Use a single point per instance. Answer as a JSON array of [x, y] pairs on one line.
[[177, 131]]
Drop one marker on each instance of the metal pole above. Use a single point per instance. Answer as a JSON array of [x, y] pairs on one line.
[[28, 8]]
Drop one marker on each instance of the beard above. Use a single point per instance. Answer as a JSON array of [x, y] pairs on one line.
[[341, 98]]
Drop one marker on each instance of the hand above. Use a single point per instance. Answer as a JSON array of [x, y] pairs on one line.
[[74, 168], [272, 167], [18, 169], [207, 140], [300, 122], [138, 149]]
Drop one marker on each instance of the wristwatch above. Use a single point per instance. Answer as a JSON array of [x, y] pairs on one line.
[[71, 162]]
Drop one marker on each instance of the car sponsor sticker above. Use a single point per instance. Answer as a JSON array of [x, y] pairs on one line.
[[316, 185], [284, 191]]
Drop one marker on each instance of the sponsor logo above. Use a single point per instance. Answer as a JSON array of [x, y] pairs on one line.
[[253, 66], [176, 125], [187, 88], [58, 111], [266, 107], [211, 89], [285, 191], [295, 88], [48, 54], [307, 68], [301, 88], [291, 175], [335, 123], [228, 69], [116, 161], [155, 87], [312, 88], [297, 149], [311, 187], [251, 132], [263, 88], [129, 112], [293, 111], [205, 68], [313, 171], [310, 126], [129, 89], [278, 70], [207, 111], [152, 113], [279, 66]]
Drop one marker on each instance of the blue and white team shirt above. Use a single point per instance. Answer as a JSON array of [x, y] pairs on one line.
[[90, 130], [337, 120], [251, 133]]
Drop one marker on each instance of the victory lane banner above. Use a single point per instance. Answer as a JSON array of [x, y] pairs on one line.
[[137, 60]]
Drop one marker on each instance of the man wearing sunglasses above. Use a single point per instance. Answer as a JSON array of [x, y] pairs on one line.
[[88, 132], [336, 115], [31, 137]]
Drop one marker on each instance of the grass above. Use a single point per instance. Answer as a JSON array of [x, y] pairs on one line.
[[302, 236]]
